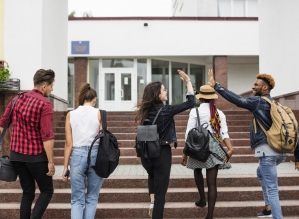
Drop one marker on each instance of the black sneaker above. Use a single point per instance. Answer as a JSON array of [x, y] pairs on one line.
[[201, 203], [265, 213]]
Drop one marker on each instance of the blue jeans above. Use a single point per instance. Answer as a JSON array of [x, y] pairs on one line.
[[84, 205], [267, 175]]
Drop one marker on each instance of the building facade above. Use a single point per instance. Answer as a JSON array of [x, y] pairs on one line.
[[118, 56]]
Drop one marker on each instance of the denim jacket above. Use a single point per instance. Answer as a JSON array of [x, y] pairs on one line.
[[258, 106], [165, 122]]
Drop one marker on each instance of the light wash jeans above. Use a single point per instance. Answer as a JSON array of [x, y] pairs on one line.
[[85, 188], [267, 175]]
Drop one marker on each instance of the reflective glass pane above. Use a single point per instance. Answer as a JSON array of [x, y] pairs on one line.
[[239, 8], [109, 86], [118, 63], [197, 75], [160, 72], [178, 87], [253, 9], [126, 88], [94, 77], [141, 77], [70, 82], [224, 8]]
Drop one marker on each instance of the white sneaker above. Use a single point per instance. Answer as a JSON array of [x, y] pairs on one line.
[[150, 210]]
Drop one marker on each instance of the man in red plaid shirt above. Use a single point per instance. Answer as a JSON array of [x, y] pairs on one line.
[[32, 143]]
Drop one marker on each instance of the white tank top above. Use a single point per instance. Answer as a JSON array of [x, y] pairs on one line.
[[85, 125]]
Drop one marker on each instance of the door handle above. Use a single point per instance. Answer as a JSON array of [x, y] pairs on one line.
[[121, 93]]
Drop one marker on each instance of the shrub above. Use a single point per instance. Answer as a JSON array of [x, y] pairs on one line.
[[4, 70]]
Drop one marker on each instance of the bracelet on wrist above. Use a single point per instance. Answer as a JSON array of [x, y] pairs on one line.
[[188, 81], [50, 163]]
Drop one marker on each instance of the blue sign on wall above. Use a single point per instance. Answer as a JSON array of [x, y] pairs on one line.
[[80, 47]]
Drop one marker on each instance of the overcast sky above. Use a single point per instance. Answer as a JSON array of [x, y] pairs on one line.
[[120, 8]]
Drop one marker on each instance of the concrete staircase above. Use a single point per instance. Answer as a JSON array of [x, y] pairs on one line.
[[124, 194]]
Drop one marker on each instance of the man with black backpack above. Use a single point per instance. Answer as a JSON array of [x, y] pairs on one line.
[[267, 154]]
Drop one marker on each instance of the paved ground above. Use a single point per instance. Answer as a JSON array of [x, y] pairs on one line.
[[179, 170]]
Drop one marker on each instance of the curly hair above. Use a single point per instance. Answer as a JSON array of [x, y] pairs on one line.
[[268, 79], [150, 98]]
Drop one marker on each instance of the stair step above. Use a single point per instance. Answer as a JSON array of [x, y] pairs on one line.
[[176, 159], [225, 178], [179, 135], [121, 117], [131, 157], [180, 143], [114, 195], [178, 129], [172, 209], [131, 123], [177, 151]]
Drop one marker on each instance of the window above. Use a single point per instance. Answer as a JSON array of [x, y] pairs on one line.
[[178, 87], [141, 77], [238, 8], [109, 86], [118, 63], [94, 77], [197, 76], [160, 72], [70, 83]]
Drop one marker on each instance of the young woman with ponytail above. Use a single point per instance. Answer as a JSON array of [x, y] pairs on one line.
[[216, 120], [158, 169], [81, 127]]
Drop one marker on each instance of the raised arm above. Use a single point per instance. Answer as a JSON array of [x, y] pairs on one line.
[[246, 103]]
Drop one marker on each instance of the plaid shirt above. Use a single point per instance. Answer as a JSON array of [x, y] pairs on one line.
[[31, 123]]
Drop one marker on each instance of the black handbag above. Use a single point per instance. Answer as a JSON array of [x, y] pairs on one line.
[[7, 171], [147, 140]]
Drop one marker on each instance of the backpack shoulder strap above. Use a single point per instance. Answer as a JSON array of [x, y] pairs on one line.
[[256, 120], [197, 116], [221, 147], [267, 99], [99, 135], [103, 119], [157, 115], [8, 121]]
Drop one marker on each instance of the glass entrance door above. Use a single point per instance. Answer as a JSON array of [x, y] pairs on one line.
[[117, 89]]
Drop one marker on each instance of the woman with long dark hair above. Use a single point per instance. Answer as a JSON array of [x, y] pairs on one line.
[[81, 127], [216, 124], [158, 169]]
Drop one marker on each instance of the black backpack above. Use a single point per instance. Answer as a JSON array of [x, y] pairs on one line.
[[197, 142], [147, 140], [108, 153]]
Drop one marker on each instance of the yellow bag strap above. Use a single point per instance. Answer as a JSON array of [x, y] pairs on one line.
[[254, 125], [255, 120]]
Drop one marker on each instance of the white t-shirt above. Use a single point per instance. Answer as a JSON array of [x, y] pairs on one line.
[[204, 116], [85, 125]]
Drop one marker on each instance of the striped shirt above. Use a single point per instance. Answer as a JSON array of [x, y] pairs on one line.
[[31, 123]]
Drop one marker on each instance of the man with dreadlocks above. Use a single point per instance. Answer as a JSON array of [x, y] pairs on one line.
[[216, 124], [268, 158]]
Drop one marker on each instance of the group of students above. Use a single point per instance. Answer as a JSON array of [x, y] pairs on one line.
[[33, 158]]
